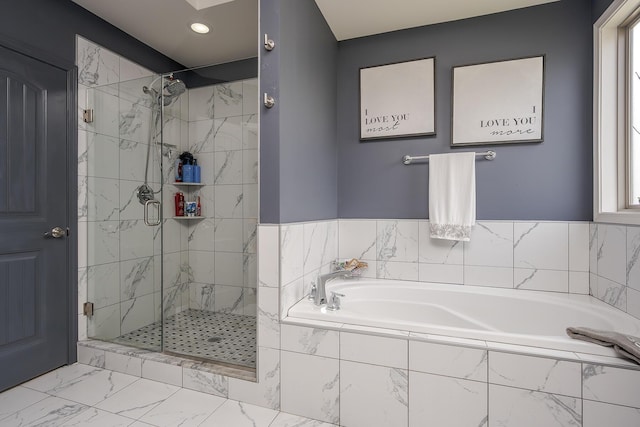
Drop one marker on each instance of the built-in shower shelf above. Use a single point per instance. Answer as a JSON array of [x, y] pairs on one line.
[[189, 184], [188, 217]]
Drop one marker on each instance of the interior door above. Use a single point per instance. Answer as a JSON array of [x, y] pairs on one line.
[[34, 246]]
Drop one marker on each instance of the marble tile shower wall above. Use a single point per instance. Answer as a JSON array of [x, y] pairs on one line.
[[615, 265], [223, 136], [119, 257]]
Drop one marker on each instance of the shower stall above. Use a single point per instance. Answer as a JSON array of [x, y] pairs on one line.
[[185, 286]]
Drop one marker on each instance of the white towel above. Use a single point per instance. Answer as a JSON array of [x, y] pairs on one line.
[[452, 195]]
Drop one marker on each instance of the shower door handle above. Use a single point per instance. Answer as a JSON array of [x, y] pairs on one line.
[[146, 212]]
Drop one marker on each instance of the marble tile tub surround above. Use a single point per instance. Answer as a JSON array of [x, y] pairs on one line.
[[372, 377], [545, 256], [614, 266]]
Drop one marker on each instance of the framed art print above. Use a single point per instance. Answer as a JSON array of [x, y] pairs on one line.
[[498, 102], [397, 100]]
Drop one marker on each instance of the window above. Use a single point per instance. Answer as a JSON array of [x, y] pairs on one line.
[[633, 142], [617, 114]]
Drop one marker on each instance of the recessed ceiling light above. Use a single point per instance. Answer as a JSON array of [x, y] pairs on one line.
[[199, 28]]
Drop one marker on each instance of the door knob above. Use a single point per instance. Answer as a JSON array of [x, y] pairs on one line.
[[56, 233]]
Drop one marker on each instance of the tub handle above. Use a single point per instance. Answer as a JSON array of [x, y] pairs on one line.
[[334, 301], [313, 292]]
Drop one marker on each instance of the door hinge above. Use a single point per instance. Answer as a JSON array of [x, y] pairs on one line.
[[87, 309], [87, 115]]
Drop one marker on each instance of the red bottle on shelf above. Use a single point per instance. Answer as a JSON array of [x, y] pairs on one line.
[[179, 202], [198, 208]]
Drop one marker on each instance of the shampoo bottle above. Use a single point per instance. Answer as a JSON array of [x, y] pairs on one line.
[[187, 172], [196, 171]]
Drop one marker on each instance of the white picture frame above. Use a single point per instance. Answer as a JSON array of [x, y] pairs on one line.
[[498, 102], [397, 100]]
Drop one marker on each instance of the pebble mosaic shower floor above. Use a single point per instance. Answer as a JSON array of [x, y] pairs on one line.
[[220, 337]]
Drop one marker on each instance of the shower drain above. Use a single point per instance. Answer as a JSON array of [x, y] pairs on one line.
[[214, 339]]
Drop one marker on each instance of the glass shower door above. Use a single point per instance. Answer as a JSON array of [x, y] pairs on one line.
[[123, 189]]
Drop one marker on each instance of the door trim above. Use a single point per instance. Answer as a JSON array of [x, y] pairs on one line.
[[72, 177]]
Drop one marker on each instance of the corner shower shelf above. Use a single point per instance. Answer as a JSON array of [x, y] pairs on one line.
[[189, 217], [189, 184]]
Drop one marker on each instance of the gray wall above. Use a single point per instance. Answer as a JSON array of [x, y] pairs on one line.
[[51, 26], [544, 181], [304, 85]]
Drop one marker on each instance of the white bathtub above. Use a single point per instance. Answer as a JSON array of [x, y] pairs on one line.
[[512, 316]]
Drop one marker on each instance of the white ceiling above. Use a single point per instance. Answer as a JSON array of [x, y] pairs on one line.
[[164, 24]]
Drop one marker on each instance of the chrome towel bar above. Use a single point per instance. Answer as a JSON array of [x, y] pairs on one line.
[[407, 160]]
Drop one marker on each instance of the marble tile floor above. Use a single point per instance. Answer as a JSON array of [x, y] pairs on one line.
[[216, 336], [82, 395]]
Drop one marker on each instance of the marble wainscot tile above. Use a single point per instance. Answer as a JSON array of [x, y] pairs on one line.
[[491, 245], [97, 418], [535, 373], [227, 99], [130, 207], [541, 245], [291, 252], [357, 239], [250, 169], [201, 235], [266, 391], [137, 399], [438, 251], [612, 293], [597, 414], [633, 302], [373, 396], [202, 266], [448, 360], [593, 248], [51, 411], [136, 240], [579, 246], [612, 250], [320, 397], [289, 295], [398, 270], [579, 282], [438, 401], [320, 244], [541, 280], [250, 131], [229, 299], [250, 234], [312, 341], [268, 318], [83, 201], [133, 157], [239, 414], [441, 273], [106, 106], [397, 241], [374, 350], [611, 385], [251, 207], [184, 408], [525, 408], [105, 323], [91, 356], [201, 296], [501, 277], [633, 257]]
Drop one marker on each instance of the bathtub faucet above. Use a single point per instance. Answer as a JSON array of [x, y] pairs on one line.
[[321, 293]]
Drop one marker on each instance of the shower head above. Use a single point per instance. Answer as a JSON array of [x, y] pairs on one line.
[[171, 90]]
